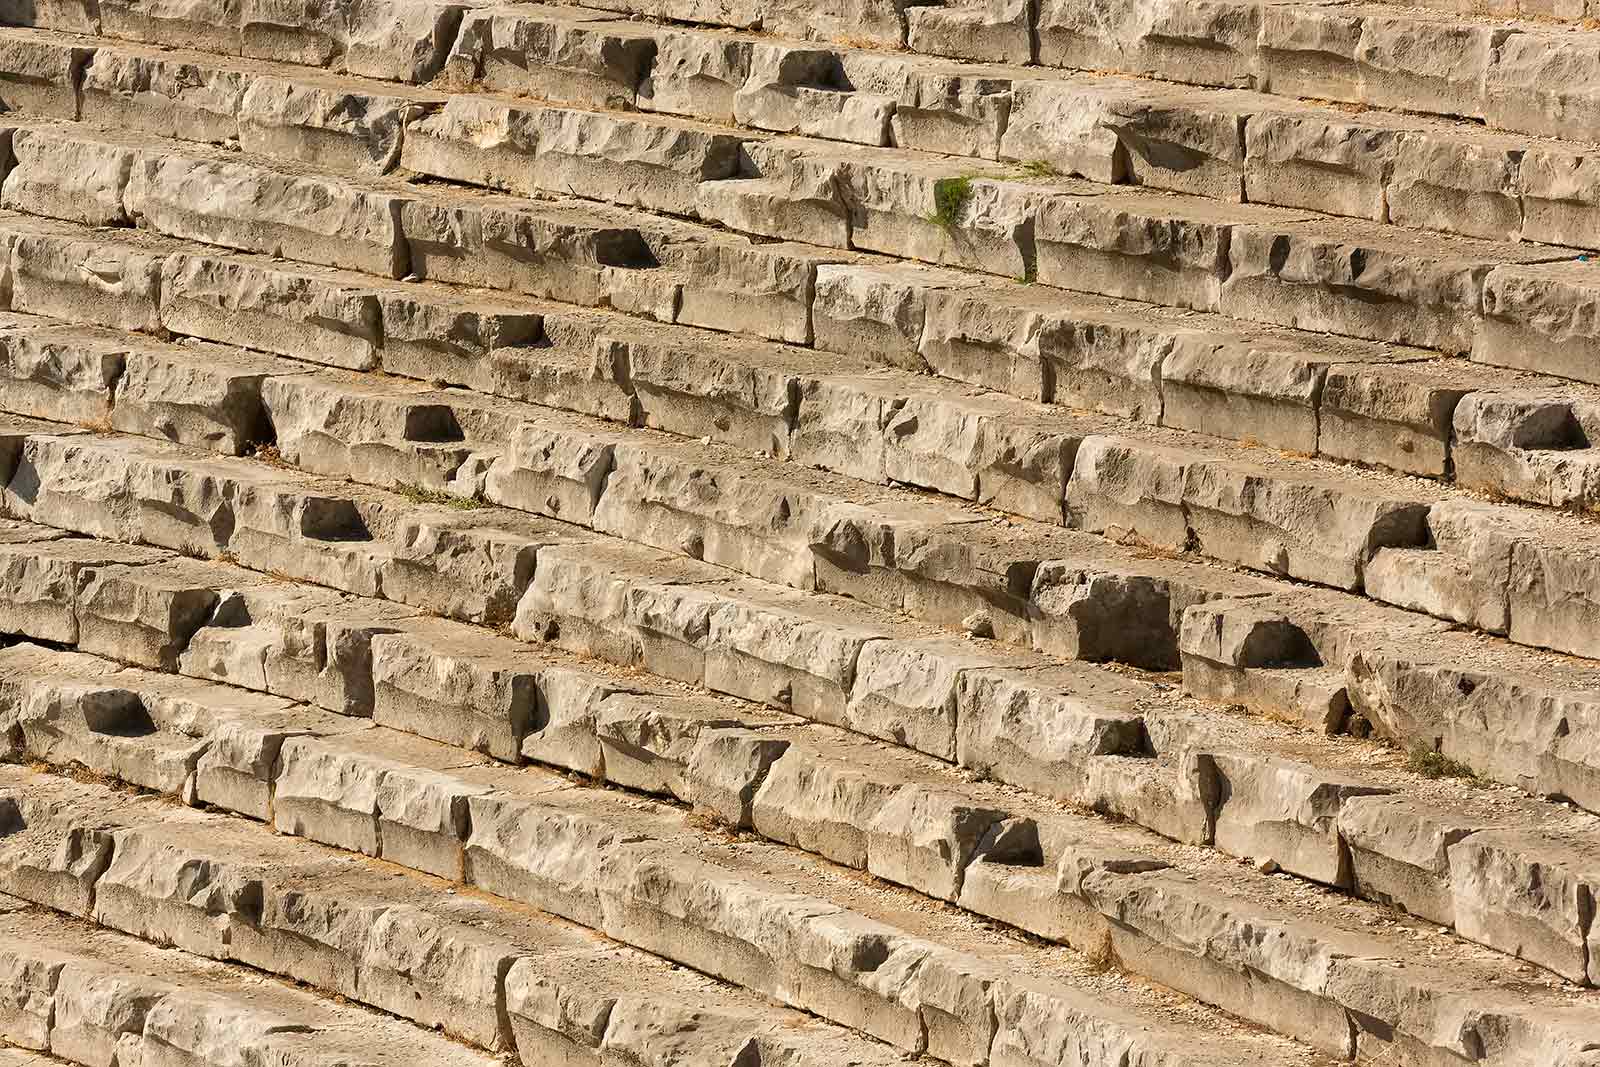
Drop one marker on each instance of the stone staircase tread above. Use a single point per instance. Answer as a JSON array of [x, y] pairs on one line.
[[1282, 903], [340, 885], [1294, 755]]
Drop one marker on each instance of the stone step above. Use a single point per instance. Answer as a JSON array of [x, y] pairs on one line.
[[1230, 146], [1252, 262], [1519, 436], [1057, 592], [1075, 735], [325, 790], [551, 991], [88, 996], [1513, 73], [641, 874]]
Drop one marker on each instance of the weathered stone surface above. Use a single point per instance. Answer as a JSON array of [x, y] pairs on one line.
[[163, 95], [69, 274], [279, 213], [1537, 317], [339, 127], [58, 175], [1240, 511], [1364, 280], [1285, 812], [299, 311], [1531, 443], [39, 75]]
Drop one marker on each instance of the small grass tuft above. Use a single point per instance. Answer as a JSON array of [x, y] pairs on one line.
[[1040, 168], [950, 196], [418, 495], [1430, 764]]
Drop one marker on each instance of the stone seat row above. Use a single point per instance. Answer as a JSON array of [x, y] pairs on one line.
[[1404, 542], [1514, 74], [863, 959], [1226, 145], [1078, 735], [713, 277], [1447, 555], [1517, 305], [1520, 436], [92, 996], [431, 807]]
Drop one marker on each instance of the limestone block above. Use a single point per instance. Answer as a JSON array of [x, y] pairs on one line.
[[448, 682], [208, 396], [382, 793], [1397, 415], [562, 252], [477, 141], [690, 503], [37, 75], [986, 336], [57, 840], [1530, 897], [562, 728], [1287, 812], [1266, 390], [71, 275], [1319, 160], [1529, 444], [558, 54], [1559, 195], [945, 107], [1136, 247], [1371, 57], [906, 692], [180, 881], [1515, 723], [146, 614], [1400, 852], [301, 311], [796, 89], [1303, 524], [653, 163], [543, 855], [399, 41], [988, 31], [761, 289], [61, 176], [878, 309], [555, 467], [922, 209], [61, 373], [1463, 184], [471, 565], [1551, 598], [306, 644], [431, 333], [1463, 576], [1362, 280], [1536, 317], [278, 213], [1035, 729], [696, 75], [344, 130], [1538, 83], [39, 583], [783, 189], [1210, 43], [211, 25], [648, 740], [162, 95]]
